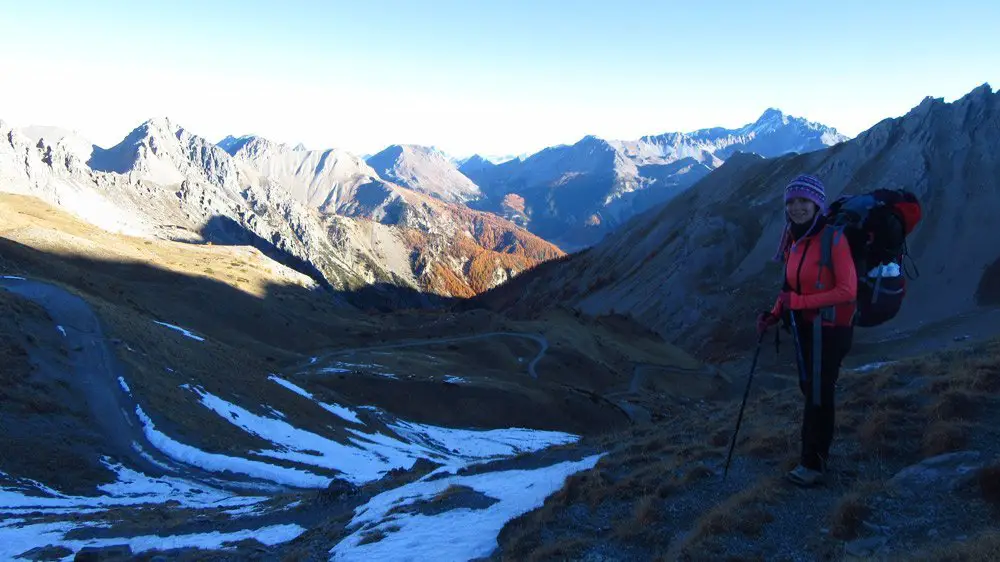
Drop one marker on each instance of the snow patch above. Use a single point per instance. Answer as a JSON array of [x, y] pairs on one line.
[[15, 540], [215, 462], [872, 366], [472, 533], [61, 330], [184, 331], [124, 385], [15, 277], [368, 456], [342, 412], [129, 488]]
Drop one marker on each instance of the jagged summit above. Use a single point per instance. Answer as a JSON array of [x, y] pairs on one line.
[[232, 144], [423, 169]]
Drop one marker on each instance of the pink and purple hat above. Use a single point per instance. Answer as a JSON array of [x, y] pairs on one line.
[[806, 187]]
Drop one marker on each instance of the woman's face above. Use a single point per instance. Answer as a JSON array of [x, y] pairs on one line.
[[801, 210]]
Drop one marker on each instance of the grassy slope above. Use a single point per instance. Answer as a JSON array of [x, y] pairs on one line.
[[659, 492]]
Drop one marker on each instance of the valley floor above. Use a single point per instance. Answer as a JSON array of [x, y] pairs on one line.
[[916, 473]]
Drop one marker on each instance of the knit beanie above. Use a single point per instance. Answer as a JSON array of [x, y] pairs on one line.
[[806, 187]]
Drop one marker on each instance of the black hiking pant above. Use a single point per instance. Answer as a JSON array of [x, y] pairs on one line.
[[818, 416]]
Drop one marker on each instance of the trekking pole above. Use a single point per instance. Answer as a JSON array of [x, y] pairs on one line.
[[799, 358], [746, 393]]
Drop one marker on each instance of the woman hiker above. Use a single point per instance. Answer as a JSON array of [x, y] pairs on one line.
[[819, 302]]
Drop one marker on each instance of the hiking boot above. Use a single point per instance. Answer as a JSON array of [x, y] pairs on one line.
[[805, 477]]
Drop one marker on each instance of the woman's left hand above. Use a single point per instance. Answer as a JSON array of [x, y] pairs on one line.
[[785, 298]]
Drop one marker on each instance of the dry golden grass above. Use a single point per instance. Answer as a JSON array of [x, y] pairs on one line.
[[873, 433], [522, 538], [955, 405], [696, 473], [770, 446], [645, 512], [847, 516], [879, 415], [450, 492], [744, 512], [562, 550], [369, 537], [943, 437]]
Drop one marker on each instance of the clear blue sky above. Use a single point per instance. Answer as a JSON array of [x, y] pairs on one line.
[[482, 76]]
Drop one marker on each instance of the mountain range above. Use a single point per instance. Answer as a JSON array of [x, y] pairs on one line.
[[408, 217], [575, 194], [327, 212], [697, 266]]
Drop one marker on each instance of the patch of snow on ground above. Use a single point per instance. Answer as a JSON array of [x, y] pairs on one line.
[[872, 366], [471, 533], [479, 444], [186, 332], [130, 488], [345, 414], [15, 539], [368, 456], [215, 462]]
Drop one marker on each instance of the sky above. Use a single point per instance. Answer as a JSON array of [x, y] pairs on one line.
[[479, 76]]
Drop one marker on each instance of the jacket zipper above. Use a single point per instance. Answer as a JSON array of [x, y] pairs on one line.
[[802, 261]]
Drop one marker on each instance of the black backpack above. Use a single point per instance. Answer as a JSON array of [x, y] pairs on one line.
[[876, 225]]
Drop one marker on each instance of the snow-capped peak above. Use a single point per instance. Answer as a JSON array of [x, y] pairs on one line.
[[772, 116]]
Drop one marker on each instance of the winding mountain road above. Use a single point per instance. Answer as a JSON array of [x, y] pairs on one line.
[[95, 374], [544, 343]]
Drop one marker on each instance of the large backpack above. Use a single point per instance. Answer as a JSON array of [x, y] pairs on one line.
[[876, 225]]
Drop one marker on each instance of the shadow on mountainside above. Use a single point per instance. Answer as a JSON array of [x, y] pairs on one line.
[[246, 337], [224, 231], [380, 296]]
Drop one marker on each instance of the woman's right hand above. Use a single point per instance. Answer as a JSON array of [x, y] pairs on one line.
[[765, 320]]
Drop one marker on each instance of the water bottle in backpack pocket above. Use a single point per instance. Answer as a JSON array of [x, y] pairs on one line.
[[880, 295]]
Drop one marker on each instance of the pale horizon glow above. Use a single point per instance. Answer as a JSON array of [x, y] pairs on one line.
[[490, 78]]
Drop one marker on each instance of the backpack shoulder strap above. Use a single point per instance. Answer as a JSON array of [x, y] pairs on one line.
[[829, 235]]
